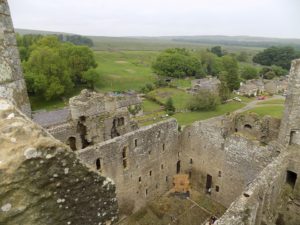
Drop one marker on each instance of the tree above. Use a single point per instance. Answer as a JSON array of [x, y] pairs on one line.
[[177, 63], [76, 40], [203, 101], [224, 92], [272, 71], [242, 56], [46, 73], [53, 68], [212, 64], [230, 65], [169, 106], [91, 77], [249, 72], [217, 50], [279, 56], [269, 75], [79, 60], [279, 71]]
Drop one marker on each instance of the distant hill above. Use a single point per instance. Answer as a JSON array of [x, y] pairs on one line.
[[25, 31], [231, 43], [245, 41]]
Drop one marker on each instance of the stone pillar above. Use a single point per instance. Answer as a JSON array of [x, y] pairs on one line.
[[12, 84], [290, 125]]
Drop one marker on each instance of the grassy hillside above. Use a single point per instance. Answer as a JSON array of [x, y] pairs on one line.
[[159, 44], [232, 43]]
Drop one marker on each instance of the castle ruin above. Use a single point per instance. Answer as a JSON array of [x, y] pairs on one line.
[[112, 168]]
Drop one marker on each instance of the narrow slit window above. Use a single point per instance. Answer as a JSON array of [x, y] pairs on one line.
[[135, 142], [98, 164]]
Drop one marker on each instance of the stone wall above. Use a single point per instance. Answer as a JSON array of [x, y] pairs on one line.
[[255, 127], [12, 84], [91, 118], [269, 199], [141, 163], [42, 180], [290, 126], [230, 159]]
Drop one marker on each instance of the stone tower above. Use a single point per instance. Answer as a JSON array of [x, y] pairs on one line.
[[290, 124], [12, 84]]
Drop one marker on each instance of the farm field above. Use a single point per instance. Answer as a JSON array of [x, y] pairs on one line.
[[124, 70], [179, 97]]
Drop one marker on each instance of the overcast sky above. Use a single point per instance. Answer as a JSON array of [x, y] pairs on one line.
[[269, 18]]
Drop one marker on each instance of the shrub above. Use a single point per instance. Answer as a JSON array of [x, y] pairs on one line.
[[203, 101], [169, 106]]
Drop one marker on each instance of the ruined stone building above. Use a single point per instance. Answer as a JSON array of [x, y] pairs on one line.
[[91, 118], [112, 168], [210, 84], [256, 87]]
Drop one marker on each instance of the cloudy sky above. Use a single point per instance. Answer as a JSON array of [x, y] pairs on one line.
[[269, 18]]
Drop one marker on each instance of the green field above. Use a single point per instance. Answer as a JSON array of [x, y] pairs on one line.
[[273, 101], [180, 97], [149, 106], [190, 117], [124, 70], [274, 111]]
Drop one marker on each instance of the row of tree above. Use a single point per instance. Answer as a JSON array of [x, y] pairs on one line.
[[182, 63], [278, 56], [53, 68]]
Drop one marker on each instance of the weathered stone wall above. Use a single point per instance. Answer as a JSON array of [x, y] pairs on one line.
[[269, 199], [141, 163], [12, 84], [274, 196], [42, 180], [91, 118], [231, 159], [263, 129], [290, 126]]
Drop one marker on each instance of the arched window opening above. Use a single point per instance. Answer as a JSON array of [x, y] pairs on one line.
[[248, 126]]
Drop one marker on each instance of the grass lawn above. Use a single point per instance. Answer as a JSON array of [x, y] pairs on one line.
[[273, 101], [182, 83], [190, 117], [180, 97], [275, 111], [124, 70], [149, 106]]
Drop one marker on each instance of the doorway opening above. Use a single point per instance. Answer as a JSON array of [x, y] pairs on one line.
[[208, 183], [291, 178]]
